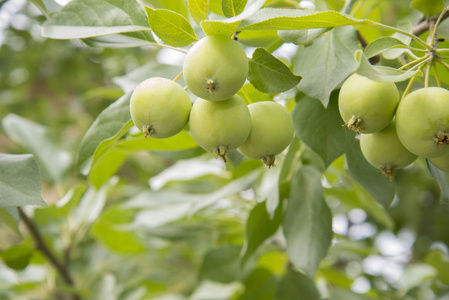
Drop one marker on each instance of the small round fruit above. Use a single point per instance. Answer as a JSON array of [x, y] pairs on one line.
[[271, 131], [366, 105], [441, 162], [422, 122], [220, 126], [215, 68], [384, 150], [160, 107]]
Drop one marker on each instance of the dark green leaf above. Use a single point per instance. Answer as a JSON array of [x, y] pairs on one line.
[[260, 285], [439, 261], [307, 221], [221, 264], [259, 227], [17, 257], [328, 62], [268, 74], [295, 284], [441, 179], [20, 181], [106, 125], [199, 10], [89, 18], [428, 8], [53, 161], [379, 186], [171, 27], [321, 128], [232, 8]]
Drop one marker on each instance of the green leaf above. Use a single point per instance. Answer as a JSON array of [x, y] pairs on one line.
[[292, 19], [302, 36], [415, 275], [121, 40], [440, 261], [10, 218], [198, 10], [20, 181], [294, 284], [259, 227], [53, 161], [221, 264], [321, 128], [260, 285], [428, 8], [383, 44], [232, 8], [380, 187], [107, 230], [89, 18], [227, 27], [110, 121], [179, 6], [111, 153], [329, 61], [342, 294], [307, 221], [172, 28], [441, 178], [269, 75], [381, 73], [17, 257]]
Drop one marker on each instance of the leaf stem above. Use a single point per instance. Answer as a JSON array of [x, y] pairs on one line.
[[437, 78], [169, 47], [178, 76], [421, 59], [426, 77], [61, 268], [246, 95], [410, 83], [444, 64], [435, 27]]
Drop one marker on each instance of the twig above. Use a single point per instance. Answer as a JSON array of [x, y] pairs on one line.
[[424, 25], [62, 269]]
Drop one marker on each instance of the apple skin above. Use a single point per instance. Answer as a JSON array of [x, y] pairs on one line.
[[160, 107], [367, 106], [441, 162], [422, 122], [384, 150], [220, 126], [272, 131], [215, 68]]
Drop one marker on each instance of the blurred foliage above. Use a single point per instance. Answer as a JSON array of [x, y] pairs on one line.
[[170, 222]]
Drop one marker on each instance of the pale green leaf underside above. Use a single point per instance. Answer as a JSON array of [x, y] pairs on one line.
[[383, 44], [20, 181], [171, 27], [269, 75], [89, 18]]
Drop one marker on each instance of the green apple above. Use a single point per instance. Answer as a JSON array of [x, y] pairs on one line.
[[215, 68], [271, 131], [220, 126], [422, 122], [160, 107], [366, 105]]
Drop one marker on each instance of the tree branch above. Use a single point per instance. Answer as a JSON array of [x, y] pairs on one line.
[[423, 25], [62, 269]]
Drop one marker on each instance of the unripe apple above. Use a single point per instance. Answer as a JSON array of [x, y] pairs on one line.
[[160, 107], [271, 131], [366, 105], [422, 122], [220, 126], [215, 68], [385, 151]]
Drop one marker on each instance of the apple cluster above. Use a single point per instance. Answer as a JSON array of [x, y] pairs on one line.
[[220, 121], [394, 133]]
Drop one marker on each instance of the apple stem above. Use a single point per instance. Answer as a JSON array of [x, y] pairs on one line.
[[147, 130], [269, 160], [221, 152]]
